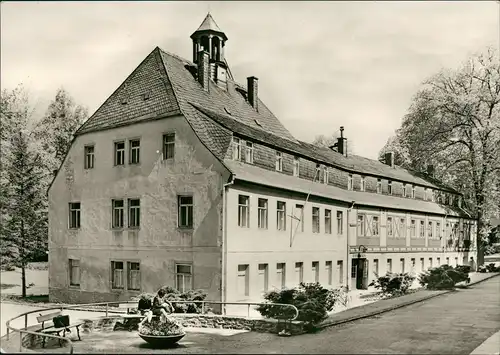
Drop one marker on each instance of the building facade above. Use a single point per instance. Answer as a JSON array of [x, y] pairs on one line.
[[183, 177]]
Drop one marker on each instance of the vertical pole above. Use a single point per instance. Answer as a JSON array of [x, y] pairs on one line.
[[8, 332], [248, 313], [25, 321], [202, 307], [20, 342], [106, 309]]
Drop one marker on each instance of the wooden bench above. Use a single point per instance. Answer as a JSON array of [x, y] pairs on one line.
[[53, 330]]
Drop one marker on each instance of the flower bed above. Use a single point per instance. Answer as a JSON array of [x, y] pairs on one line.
[[159, 328]]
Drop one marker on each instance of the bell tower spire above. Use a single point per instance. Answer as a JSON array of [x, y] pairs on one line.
[[209, 38]]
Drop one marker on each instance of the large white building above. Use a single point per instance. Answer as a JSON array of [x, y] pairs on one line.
[[183, 177]]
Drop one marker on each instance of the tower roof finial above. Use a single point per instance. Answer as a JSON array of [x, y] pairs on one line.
[[209, 25]]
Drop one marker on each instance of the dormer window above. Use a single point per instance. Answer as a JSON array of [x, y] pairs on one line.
[[349, 182], [326, 175], [379, 186], [296, 166], [404, 190], [249, 152], [363, 183], [279, 161], [412, 191], [318, 173], [389, 187], [236, 148], [433, 195]]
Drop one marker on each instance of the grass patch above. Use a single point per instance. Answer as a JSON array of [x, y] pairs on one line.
[[27, 299]]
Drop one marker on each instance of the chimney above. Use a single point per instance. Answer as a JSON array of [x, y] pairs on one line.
[[342, 143], [430, 170], [389, 159], [203, 69], [252, 92]]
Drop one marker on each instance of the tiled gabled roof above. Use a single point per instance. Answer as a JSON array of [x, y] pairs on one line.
[[355, 164]]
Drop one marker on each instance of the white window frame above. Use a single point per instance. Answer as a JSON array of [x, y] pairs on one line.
[[249, 152], [340, 223], [131, 272], [119, 159], [281, 215], [421, 232], [168, 146], [329, 272], [328, 221], [390, 230], [117, 214], [281, 274], [389, 187], [134, 154], [134, 213], [363, 184], [185, 211], [349, 182], [75, 215], [315, 213], [326, 175], [296, 166], [263, 273], [243, 211], [263, 213], [404, 190], [74, 264], [279, 161], [413, 228], [114, 284], [299, 272], [236, 143], [315, 270], [300, 217], [186, 278], [379, 186], [89, 154], [413, 191]]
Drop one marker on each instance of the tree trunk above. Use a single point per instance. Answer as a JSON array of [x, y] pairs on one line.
[[23, 279], [480, 241]]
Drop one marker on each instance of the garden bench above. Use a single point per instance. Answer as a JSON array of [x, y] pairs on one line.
[[56, 330]]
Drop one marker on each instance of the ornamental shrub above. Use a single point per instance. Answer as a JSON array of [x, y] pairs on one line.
[[492, 268], [311, 299], [443, 277], [393, 284]]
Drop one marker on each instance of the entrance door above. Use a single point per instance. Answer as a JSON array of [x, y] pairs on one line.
[[362, 274]]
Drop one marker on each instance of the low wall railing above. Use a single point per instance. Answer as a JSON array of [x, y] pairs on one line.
[[111, 308]]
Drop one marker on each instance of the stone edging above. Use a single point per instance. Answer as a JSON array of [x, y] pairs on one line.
[[393, 307]]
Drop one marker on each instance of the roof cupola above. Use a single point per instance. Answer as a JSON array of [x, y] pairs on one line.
[[209, 38]]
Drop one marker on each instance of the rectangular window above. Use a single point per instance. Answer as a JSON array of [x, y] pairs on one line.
[[315, 270], [118, 213], [389, 265], [375, 226], [262, 210], [447, 261], [119, 153], [135, 149], [430, 262], [430, 229], [169, 146], [402, 265], [243, 280], [74, 215], [354, 270], [389, 187], [133, 276], [404, 190], [243, 211], [456, 261], [328, 221], [438, 261], [236, 148], [281, 216], [263, 277], [438, 230], [329, 272], [402, 223], [249, 152], [340, 271], [363, 183], [117, 274], [134, 213], [340, 223], [315, 219], [349, 182], [422, 229], [375, 267], [389, 226], [422, 264], [379, 186], [279, 161], [412, 191], [186, 211], [412, 264], [361, 225], [299, 272], [74, 272], [89, 156], [281, 274], [413, 226], [326, 176], [183, 277], [299, 216], [296, 166]]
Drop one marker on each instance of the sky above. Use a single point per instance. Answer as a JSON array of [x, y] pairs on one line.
[[321, 65]]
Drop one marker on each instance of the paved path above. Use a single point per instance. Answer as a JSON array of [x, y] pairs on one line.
[[454, 323]]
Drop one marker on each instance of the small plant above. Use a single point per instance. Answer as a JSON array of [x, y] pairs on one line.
[[393, 284], [311, 299], [443, 277], [492, 268]]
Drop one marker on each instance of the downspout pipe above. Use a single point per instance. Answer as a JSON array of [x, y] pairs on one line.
[[224, 241], [348, 269]]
